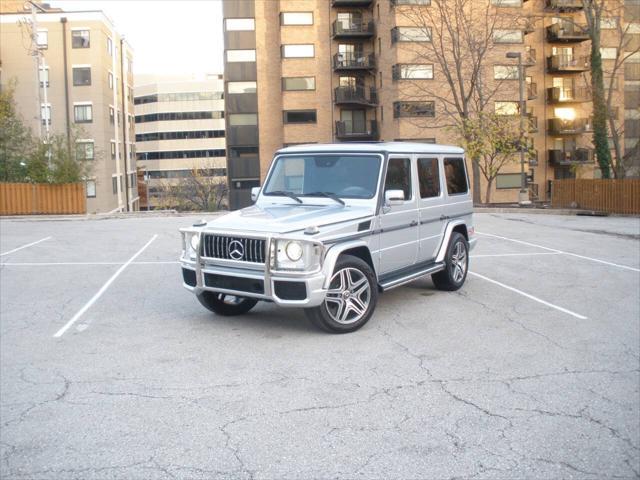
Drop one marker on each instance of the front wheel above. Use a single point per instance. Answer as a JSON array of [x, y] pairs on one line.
[[456, 265], [225, 304], [350, 299]]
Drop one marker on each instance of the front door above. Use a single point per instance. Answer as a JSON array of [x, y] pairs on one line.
[[432, 221], [399, 223]]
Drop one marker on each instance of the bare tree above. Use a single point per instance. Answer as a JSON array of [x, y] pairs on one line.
[[197, 191], [461, 47]]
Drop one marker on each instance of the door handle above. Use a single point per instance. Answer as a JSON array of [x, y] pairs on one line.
[[414, 223]]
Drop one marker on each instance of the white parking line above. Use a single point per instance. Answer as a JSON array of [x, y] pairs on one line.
[[103, 289], [515, 254], [626, 267], [24, 246], [57, 264], [531, 297]]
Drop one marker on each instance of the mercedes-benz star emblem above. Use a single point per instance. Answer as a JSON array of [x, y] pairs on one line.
[[236, 250]]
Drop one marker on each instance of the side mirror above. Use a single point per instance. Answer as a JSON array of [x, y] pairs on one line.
[[393, 197], [255, 191]]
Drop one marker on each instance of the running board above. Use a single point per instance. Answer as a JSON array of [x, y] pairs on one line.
[[406, 276]]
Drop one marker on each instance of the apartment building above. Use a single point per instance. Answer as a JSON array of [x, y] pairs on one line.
[[307, 71], [180, 127], [80, 85]]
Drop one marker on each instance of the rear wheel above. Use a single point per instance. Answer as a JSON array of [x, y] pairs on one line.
[[351, 298], [225, 304], [456, 265]]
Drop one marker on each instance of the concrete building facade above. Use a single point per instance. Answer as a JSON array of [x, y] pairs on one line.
[[180, 127], [308, 71], [86, 76]]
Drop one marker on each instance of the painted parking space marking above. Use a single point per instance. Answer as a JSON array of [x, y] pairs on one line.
[[103, 289], [24, 246], [529, 296], [63, 264], [527, 254], [597, 260]]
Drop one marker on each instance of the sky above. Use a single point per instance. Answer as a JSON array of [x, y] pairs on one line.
[[167, 36]]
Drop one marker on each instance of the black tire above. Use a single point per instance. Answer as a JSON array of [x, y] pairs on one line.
[[450, 279], [354, 275], [226, 305]]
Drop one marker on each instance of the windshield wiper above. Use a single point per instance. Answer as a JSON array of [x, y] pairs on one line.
[[330, 195], [291, 195]]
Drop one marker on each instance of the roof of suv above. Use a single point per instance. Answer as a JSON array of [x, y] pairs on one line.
[[390, 147]]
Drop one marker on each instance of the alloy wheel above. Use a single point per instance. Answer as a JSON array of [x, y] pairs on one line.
[[458, 262], [348, 297]]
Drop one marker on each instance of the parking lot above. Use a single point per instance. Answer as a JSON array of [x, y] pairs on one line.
[[110, 369]]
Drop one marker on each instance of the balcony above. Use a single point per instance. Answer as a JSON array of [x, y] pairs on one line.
[[351, 3], [353, 30], [348, 131], [532, 91], [356, 96], [564, 5], [566, 32], [559, 126], [351, 61], [567, 64], [575, 156], [529, 57], [568, 95]]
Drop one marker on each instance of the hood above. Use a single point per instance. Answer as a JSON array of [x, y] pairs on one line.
[[287, 218]]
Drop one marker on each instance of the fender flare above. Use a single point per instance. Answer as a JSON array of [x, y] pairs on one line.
[[442, 251], [332, 254]]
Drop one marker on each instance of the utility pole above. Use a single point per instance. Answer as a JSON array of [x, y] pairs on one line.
[[35, 52]]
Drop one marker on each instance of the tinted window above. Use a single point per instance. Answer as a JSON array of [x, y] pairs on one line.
[[300, 116], [429, 177], [455, 175], [399, 176], [81, 76]]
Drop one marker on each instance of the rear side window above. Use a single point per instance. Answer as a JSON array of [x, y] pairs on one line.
[[455, 176], [429, 177], [399, 176]]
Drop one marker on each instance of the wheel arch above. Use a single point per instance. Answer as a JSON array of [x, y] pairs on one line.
[[359, 249], [458, 226]]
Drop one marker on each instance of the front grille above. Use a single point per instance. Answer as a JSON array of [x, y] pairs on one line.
[[233, 248], [290, 290], [238, 284]]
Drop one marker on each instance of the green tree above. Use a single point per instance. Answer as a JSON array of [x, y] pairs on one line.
[[16, 142], [198, 191]]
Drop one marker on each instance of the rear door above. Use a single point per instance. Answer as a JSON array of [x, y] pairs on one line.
[[430, 201], [458, 202], [399, 224]]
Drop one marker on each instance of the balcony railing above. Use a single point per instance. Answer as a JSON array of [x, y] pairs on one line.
[[559, 126], [566, 32], [570, 157], [529, 57], [356, 95], [568, 95], [564, 5], [351, 61], [342, 29], [351, 3], [567, 63], [348, 131], [532, 123], [532, 91]]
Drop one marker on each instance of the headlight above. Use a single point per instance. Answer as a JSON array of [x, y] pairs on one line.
[[194, 242], [295, 255], [191, 243]]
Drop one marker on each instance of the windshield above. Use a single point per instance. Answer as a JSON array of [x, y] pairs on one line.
[[346, 176]]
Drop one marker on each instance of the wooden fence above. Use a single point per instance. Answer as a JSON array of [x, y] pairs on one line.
[[42, 198], [612, 196]]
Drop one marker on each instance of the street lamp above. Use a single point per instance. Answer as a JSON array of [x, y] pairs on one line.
[[523, 196]]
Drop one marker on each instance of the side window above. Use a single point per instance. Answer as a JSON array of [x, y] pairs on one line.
[[399, 176], [455, 176], [429, 177]]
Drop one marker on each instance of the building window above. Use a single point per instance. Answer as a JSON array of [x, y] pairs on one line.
[[293, 84], [428, 177], [44, 77], [109, 46], [234, 56], [609, 53], [113, 150], [298, 51], [191, 134], [506, 108], [410, 34], [416, 140], [508, 36], [45, 112], [112, 114], [241, 87], [173, 154], [505, 72], [110, 80], [296, 18], [243, 119], [507, 3], [300, 116], [83, 113], [239, 24], [608, 23], [81, 76], [91, 188], [411, 2], [42, 39], [508, 180], [114, 184], [80, 39], [169, 116], [414, 109], [454, 173], [178, 97], [412, 71], [84, 150], [243, 152]]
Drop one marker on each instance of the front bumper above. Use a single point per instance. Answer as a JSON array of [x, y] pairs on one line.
[[286, 290]]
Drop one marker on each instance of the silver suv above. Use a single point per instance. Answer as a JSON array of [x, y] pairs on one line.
[[332, 227]]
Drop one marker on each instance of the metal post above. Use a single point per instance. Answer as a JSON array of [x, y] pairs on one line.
[[523, 197]]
